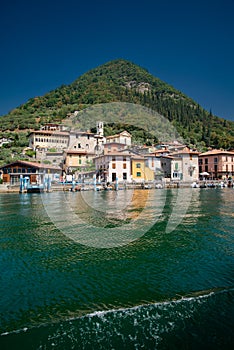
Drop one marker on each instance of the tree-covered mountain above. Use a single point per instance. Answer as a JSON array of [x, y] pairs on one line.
[[123, 81]]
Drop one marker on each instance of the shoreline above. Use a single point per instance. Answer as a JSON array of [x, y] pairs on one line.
[[6, 188]]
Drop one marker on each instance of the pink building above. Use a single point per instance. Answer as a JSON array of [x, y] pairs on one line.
[[218, 163]]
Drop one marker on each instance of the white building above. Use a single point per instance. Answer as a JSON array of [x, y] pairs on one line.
[[49, 139], [112, 166], [184, 165], [123, 137], [153, 162]]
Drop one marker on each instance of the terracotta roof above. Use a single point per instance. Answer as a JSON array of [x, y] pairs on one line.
[[50, 132], [113, 143], [216, 152], [32, 164], [117, 135], [185, 150], [82, 132], [82, 151]]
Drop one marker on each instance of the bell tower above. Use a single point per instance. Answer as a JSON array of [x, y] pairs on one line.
[[100, 129]]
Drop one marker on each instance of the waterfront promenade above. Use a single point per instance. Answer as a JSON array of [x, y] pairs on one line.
[[7, 188]]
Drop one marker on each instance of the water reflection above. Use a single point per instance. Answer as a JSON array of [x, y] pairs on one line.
[[81, 221]]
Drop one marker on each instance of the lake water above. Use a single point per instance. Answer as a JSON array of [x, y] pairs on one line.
[[161, 289]]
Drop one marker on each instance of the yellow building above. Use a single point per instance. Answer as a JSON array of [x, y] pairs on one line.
[[76, 159], [141, 172]]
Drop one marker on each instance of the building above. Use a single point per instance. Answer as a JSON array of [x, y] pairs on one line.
[[80, 140], [184, 165], [113, 166], [49, 139], [217, 163], [123, 137], [11, 173], [140, 170], [153, 162], [87, 141], [77, 159], [124, 166], [111, 147]]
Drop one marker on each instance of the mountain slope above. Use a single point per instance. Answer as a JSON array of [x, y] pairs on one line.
[[123, 81]]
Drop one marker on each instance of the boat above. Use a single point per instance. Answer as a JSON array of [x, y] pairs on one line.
[[35, 188]]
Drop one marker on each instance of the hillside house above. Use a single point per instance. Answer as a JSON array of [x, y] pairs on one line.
[[123, 137]]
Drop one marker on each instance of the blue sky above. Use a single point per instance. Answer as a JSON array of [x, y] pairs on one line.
[[188, 44]]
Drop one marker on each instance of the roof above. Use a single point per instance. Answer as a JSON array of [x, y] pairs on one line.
[[185, 150], [70, 151], [77, 132], [216, 152], [50, 132], [114, 143], [32, 164], [117, 135]]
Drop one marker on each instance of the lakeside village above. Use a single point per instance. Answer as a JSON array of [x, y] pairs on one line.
[[77, 160]]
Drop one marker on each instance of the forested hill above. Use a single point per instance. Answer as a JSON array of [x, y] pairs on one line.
[[123, 81]]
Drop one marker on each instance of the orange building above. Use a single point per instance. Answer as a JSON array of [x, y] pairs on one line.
[[218, 163]]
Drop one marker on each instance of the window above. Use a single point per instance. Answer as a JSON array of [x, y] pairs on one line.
[[124, 159], [138, 174], [206, 168], [138, 165], [206, 160], [215, 160], [124, 166], [113, 166], [200, 161], [79, 145], [80, 161], [113, 158], [124, 176]]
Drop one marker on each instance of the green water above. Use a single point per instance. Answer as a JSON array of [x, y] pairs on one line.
[[163, 290]]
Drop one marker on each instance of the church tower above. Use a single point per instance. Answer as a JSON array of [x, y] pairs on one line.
[[100, 129]]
